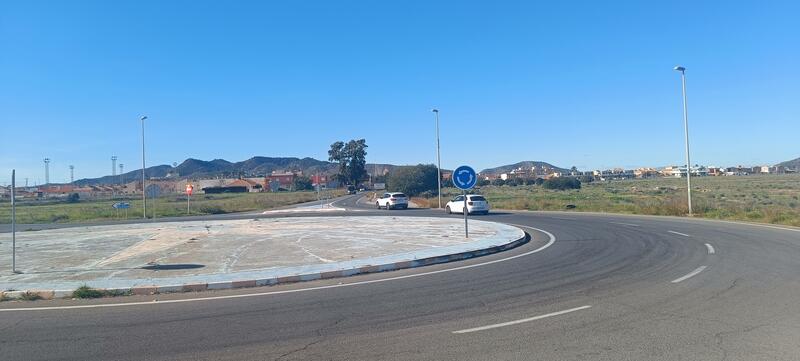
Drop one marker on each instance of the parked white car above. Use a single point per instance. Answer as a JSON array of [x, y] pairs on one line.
[[475, 204], [392, 201]]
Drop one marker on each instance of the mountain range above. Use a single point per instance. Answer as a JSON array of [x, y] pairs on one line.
[[259, 166], [528, 164], [196, 168], [791, 164]]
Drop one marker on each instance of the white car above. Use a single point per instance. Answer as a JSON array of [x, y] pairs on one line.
[[475, 204], [392, 201]]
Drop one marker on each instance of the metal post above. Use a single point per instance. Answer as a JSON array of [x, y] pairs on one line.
[[686, 131], [466, 212], [144, 196], [188, 198], [13, 221], [319, 187], [438, 159]]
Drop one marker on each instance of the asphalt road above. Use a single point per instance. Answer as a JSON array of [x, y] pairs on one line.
[[608, 288]]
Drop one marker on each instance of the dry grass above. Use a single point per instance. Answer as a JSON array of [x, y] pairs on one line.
[[174, 206], [767, 199]]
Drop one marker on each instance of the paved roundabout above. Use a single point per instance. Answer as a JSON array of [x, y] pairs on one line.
[[162, 257], [587, 286]]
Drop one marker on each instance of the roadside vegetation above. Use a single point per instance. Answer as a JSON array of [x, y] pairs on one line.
[[88, 292], [767, 199], [52, 211]]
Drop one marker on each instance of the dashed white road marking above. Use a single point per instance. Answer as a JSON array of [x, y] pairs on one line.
[[552, 239], [625, 224], [679, 233], [516, 322], [710, 249], [690, 275]]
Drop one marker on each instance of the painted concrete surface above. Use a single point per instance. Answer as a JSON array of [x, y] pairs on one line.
[[218, 251]]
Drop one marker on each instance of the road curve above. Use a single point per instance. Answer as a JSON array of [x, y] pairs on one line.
[[609, 288]]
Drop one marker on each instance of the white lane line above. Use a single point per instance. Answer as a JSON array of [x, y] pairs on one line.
[[625, 224], [679, 233], [690, 275], [510, 323], [552, 239], [710, 249]]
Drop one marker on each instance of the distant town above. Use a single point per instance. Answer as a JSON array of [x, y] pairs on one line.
[[672, 171], [284, 180]]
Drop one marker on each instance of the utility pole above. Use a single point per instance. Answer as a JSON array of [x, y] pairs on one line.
[[13, 221], [113, 165], [71, 174]]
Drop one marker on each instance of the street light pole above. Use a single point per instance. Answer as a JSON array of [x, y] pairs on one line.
[[438, 158], [686, 132], [144, 194], [13, 221]]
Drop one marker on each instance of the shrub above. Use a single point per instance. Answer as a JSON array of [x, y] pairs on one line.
[[58, 218], [86, 292], [562, 183], [498, 182], [414, 180], [302, 183], [514, 182], [483, 182], [214, 209], [538, 181], [73, 198]]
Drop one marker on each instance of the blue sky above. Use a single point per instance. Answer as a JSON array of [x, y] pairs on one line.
[[587, 84]]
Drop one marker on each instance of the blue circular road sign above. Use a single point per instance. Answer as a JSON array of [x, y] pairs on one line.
[[464, 177]]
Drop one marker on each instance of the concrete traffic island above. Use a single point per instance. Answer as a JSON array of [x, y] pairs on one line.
[[150, 258]]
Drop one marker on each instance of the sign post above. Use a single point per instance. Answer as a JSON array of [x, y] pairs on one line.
[[153, 191], [464, 178], [13, 221], [122, 205], [189, 189]]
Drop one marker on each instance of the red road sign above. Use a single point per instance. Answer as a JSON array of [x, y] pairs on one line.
[[189, 189]]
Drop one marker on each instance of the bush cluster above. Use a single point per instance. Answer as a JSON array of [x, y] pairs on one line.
[[562, 183], [414, 180]]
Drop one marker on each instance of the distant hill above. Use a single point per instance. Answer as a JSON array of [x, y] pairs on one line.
[[151, 172], [525, 164], [253, 167], [260, 166], [791, 164], [196, 168]]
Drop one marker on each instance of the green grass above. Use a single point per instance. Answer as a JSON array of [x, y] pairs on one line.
[[766, 199], [33, 212]]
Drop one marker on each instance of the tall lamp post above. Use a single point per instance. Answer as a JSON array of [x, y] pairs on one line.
[[686, 132], [438, 158], [144, 194]]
